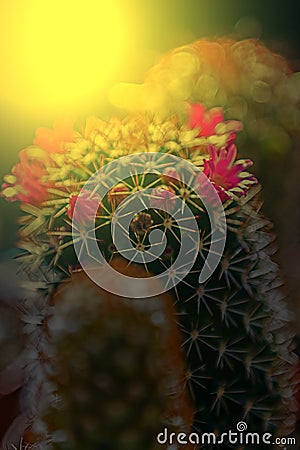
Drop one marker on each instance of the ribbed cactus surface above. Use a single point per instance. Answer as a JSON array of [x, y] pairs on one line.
[[239, 361], [256, 85]]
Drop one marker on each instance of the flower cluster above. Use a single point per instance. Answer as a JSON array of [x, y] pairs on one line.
[[28, 181], [251, 82], [227, 174], [50, 174]]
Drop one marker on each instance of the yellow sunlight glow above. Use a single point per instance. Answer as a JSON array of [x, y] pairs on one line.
[[56, 54]]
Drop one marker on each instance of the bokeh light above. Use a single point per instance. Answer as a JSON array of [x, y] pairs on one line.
[[58, 55], [62, 58]]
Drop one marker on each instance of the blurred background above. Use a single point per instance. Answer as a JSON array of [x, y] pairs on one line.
[[61, 58]]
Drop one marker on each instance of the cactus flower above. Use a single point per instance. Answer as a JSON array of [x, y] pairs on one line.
[[227, 174]]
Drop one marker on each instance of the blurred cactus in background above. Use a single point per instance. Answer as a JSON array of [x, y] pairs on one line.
[[98, 371], [116, 375], [11, 345]]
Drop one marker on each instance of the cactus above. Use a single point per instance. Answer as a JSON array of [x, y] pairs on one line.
[[252, 84], [249, 81], [115, 376], [235, 327], [11, 348], [10, 336]]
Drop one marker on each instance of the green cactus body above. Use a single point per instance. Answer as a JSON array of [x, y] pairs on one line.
[[237, 340], [255, 85], [235, 327]]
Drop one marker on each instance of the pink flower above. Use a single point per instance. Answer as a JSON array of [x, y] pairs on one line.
[[170, 175], [205, 120], [211, 123], [228, 175], [86, 208], [163, 197], [24, 183]]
